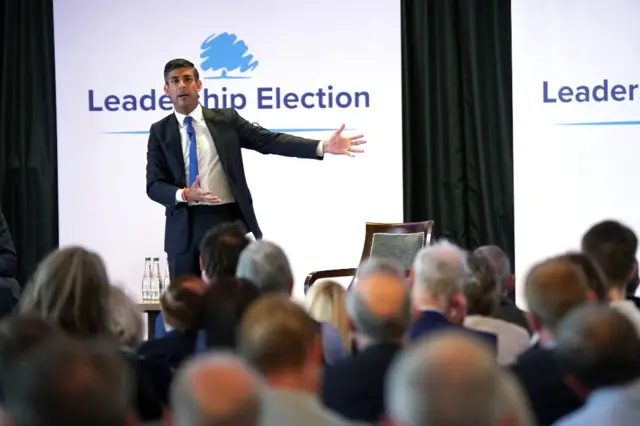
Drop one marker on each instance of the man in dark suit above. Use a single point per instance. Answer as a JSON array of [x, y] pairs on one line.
[[379, 308], [195, 169]]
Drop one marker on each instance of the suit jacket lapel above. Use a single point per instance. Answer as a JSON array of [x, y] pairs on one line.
[[173, 145], [221, 148]]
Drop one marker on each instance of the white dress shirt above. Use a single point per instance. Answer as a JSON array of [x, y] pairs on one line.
[[212, 176]]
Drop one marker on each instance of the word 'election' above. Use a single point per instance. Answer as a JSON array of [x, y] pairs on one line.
[[266, 98], [603, 92]]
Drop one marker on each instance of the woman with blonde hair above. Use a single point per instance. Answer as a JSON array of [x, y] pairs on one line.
[[326, 303]]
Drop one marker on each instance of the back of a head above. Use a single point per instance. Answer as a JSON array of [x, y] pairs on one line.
[[613, 247], [70, 383], [182, 303], [276, 334], [126, 321], [481, 288], [448, 379], [216, 389], [19, 336], [600, 346], [440, 269], [501, 264], [380, 304], [595, 278], [221, 247], [553, 288], [266, 265], [70, 287], [224, 303]]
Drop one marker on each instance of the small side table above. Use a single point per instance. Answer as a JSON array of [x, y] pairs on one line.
[[152, 310]]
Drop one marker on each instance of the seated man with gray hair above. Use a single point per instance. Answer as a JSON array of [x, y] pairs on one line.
[[451, 379], [438, 275], [265, 265], [379, 308], [216, 389]]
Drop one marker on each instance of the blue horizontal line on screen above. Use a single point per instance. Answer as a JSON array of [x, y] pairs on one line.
[[603, 123], [290, 130]]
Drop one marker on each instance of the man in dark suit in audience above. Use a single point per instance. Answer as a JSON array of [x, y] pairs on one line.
[[438, 274], [379, 308], [9, 287], [507, 309], [552, 289], [195, 168]]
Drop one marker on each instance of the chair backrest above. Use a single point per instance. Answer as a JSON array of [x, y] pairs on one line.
[[397, 241]]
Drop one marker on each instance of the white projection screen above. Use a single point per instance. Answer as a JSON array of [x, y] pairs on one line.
[[110, 57], [576, 121]]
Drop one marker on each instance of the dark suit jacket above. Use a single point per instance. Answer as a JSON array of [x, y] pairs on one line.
[[431, 321], [544, 383], [354, 387], [230, 132]]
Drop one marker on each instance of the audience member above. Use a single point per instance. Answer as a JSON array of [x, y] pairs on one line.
[[215, 389], [19, 336], [71, 288], [71, 383], [507, 310], [266, 265], [379, 307], [9, 287], [182, 307], [220, 249], [553, 288], [600, 347], [438, 276], [126, 322], [482, 292], [593, 274], [224, 303], [280, 340], [326, 303], [613, 247], [448, 379]]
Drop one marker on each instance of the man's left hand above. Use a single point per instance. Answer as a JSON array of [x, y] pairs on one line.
[[339, 144]]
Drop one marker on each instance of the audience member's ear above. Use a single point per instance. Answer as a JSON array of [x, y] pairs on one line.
[[634, 271], [592, 297], [201, 262], [457, 309], [167, 417], [533, 322], [133, 419], [351, 325], [291, 286], [411, 278], [511, 283]]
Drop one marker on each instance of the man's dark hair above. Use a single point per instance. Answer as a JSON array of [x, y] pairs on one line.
[[613, 247], [72, 383], [174, 64], [599, 346], [20, 335], [221, 247]]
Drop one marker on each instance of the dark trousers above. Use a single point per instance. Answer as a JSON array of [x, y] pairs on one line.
[[201, 219]]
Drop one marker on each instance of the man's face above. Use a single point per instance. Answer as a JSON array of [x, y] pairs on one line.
[[182, 87]]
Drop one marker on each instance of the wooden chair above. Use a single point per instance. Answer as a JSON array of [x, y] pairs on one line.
[[398, 241]]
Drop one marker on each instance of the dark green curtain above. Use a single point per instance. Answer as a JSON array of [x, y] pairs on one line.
[[458, 161], [28, 146]]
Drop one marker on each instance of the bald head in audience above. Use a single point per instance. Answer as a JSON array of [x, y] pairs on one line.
[[266, 265], [448, 379], [600, 346], [216, 390], [379, 305], [552, 288]]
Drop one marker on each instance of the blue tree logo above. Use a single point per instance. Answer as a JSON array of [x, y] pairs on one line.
[[227, 53]]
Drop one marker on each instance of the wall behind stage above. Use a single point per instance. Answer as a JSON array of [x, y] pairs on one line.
[[576, 107], [109, 70]]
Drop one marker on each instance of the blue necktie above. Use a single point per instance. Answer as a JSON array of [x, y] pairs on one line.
[[193, 150]]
